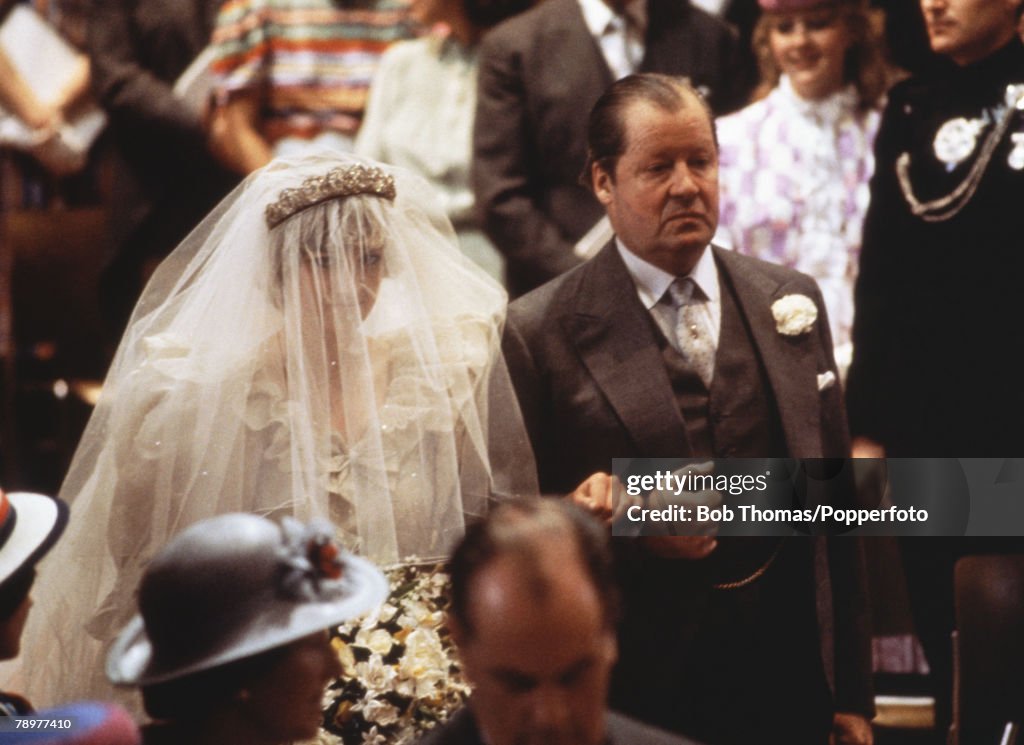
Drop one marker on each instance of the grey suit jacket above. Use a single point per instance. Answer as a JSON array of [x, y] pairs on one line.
[[592, 384], [540, 74], [592, 387], [461, 729]]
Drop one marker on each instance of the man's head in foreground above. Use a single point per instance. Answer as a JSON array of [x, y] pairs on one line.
[[533, 615]]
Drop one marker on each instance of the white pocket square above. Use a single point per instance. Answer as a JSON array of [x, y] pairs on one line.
[[826, 380]]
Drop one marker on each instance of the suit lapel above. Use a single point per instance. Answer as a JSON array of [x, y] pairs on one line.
[[574, 44], [612, 333], [790, 362]]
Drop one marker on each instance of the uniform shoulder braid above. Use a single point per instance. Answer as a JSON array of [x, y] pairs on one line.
[[956, 140]]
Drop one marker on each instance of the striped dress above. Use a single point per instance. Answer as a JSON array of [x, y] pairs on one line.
[[310, 61]]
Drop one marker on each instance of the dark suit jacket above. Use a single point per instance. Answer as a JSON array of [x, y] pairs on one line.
[[461, 730], [593, 386], [540, 74], [165, 174]]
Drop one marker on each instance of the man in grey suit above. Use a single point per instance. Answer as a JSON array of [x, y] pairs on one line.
[[743, 640], [533, 616], [540, 72]]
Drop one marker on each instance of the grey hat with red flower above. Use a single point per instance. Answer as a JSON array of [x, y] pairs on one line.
[[236, 585], [29, 526]]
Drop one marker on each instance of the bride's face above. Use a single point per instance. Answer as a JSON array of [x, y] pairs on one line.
[[341, 264], [343, 280]]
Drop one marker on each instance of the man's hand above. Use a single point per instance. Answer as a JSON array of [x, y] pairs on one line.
[[865, 447], [850, 729], [603, 496], [234, 135], [689, 538]]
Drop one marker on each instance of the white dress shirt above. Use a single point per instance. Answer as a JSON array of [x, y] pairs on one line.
[[714, 7], [619, 36], [652, 284]]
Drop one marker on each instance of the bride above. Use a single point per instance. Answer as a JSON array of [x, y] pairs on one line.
[[317, 347]]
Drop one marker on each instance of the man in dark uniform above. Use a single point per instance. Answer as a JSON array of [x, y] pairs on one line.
[[937, 364]]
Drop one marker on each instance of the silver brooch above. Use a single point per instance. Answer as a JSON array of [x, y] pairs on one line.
[[1015, 96], [957, 139], [344, 181], [1016, 158]]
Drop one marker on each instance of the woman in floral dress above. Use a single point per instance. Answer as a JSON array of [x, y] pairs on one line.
[[795, 164]]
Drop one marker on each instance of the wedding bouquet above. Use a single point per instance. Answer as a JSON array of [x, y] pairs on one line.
[[401, 674]]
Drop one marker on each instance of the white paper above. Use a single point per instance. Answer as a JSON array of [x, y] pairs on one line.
[[47, 64]]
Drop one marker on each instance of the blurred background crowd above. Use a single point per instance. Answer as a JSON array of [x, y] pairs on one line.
[[79, 233]]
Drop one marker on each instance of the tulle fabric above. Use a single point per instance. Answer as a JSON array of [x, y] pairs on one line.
[[345, 364]]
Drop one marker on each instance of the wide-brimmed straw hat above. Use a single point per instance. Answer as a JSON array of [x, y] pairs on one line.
[[29, 526], [234, 586]]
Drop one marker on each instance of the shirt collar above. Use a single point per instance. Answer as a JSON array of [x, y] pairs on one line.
[[652, 282], [597, 15], [830, 109]]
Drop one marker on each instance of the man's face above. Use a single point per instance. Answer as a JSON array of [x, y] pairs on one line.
[[662, 199], [969, 30], [540, 668]]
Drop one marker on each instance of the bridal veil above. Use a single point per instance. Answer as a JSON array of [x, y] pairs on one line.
[[316, 347]]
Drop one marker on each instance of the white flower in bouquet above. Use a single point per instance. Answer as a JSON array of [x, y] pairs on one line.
[[374, 737], [378, 712], [419, 614], [326, 738], [377, 641], [375, 675], [423, 652]]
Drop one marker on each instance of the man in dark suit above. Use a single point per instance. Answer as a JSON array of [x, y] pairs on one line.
[[540, 72], [533, 616], [936, 370], [165, 177], [730, 641]]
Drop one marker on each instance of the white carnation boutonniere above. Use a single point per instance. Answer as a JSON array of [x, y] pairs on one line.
[[794, 314]]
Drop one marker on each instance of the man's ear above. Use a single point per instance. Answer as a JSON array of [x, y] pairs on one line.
[[611, 647], [460, 636], [455, 629], [602, 182]]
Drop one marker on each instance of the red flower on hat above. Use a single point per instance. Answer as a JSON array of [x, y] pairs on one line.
[[325, 558]]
